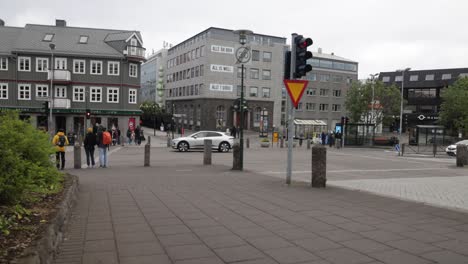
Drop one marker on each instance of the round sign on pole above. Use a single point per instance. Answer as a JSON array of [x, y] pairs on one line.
[[243, 55]]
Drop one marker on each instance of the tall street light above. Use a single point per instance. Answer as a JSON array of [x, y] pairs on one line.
[[373, 76], [401, 103], [51, 104], [243, 56]]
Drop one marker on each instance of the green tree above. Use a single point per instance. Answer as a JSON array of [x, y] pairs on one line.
[[358, 102], [150, 109], [454, 108]]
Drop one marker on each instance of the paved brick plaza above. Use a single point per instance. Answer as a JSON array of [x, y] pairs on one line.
[[178, 211]]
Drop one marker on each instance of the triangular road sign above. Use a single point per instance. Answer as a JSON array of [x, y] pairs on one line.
[[295, 89]]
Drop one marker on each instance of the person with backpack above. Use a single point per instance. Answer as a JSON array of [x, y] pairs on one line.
[[89, 143], [60, 141], [104, 139]]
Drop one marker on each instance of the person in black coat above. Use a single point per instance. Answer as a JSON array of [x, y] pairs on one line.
[[89, 143]]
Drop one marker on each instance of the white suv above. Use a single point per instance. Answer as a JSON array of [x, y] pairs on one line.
[[452, 149], [220, 141]]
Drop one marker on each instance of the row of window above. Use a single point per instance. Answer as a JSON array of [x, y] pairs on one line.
[[322, 92], [422, 93], [186, 57], [79, 93], [254, 73], [79, 66], [322, 107], [191, 90], [50, 36], [323, 63], [186, 74], [328, 78], [427, 77], [188, 43]]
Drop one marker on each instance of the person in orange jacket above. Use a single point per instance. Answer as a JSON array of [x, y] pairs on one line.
[[60, 141]]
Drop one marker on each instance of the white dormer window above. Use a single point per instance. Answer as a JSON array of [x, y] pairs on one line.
[[48, 37], [83, 39]]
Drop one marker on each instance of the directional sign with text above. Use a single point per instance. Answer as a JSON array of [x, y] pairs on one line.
[[295, 89]]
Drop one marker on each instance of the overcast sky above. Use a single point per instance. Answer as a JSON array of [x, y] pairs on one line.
[[382, 35]]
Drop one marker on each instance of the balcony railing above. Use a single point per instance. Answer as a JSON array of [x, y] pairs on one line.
[[134, 51], [59, 75]]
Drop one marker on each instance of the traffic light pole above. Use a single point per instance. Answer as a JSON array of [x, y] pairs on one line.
[[291, 112], [241, 125]]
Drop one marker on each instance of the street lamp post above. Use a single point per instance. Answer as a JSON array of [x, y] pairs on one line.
[[51, 102], [401, 104], [173, 121], [242, 40], [373, 76]]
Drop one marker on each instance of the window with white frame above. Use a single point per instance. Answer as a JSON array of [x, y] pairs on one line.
[[48, 37], [24, 91], [266, 56], [310, 106], [336, 93], [265, 92], [323, 92], [398, 78], [3, 90], [95, 94], [446, 76], [414, 78], [79, 66], [299, 107], [83, 39], [266, 74], [336, 107], [24, 64], [42, 64], [429, 77], [386, 79], [311, 92], [113, 68], [132, 96], [42, 91], [3, 64], [61, 63], [253, 91], [61, 92], [96, 67], [78, 93], [133, 70], [112, 94], [323, 107]]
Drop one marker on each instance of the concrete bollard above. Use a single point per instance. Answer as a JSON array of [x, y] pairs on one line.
[[434, 150], [319, 166], [403, 149], [236, 157], [308, 143], [77, 156], [300, 142], [148, 152], [207, 152], [169, 142], [122, 141], [282, 143], [462, 155], [247, 142]]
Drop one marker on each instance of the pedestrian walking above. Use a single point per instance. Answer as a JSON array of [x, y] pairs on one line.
[[89, 143], [324, 138], [234, 131], [331, 140], [129, 136], [137, 135], [60, 141], [104, 139]]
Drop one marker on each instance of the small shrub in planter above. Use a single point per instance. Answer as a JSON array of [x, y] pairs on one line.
[[264, 143]]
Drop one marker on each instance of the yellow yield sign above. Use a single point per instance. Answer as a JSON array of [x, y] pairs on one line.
[[295, 89]]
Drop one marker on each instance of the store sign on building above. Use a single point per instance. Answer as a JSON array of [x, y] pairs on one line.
[[221, 68], [221, 87], [222, 49]]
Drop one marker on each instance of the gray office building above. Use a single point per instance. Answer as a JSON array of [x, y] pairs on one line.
[[152, 77], [203, 80], [322, 104], [96, 69]]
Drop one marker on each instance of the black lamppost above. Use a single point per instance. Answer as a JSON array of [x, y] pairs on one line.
[[50, 124], [243, 56]]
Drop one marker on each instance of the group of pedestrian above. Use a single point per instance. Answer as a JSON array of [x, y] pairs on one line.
[[135, 136], [95, 136], [331, 139]]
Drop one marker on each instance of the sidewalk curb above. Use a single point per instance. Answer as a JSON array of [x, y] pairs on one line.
[[43, 250]]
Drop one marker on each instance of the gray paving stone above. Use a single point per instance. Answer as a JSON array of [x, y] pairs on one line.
[[412, 246], [425, 236], [100, 257], [381, 235], [140, 249], [316, 244], [454, 245], [462, 236], [155, 222], [189, 252], [179, 239], [130, 228], [99, 235], [295, 233], [332, 219], [445, 257], [339, 235], [135, 237], [366, 245], [99, 246], [210, 260], [223, 241], [344, 256], [270, 242], [397, 257], [211, 231], [159, 259], [240, 253], [252, 232], [206, 222], [171, 230], [291, 255]]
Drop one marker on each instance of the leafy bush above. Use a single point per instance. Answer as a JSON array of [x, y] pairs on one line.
[[25, 164], [264, 140]]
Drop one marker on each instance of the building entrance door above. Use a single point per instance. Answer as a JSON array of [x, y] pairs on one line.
[[60, 123]]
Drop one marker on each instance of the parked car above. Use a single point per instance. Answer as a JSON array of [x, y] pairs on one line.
[[452, 149], [220, 141]]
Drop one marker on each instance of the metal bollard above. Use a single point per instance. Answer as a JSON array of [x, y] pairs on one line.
[[462, 155], [122, 141], [308, 143], [148, 152], [236, 157], [207, 152], [169, 142], [77, 156], [300, 142], [282, 142], [247, 142], [403, 149], [434, 149], [319, 166]]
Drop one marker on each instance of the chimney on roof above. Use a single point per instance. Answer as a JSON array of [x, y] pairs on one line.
[[2, 23], [333, 53], [60, 23], [320, 50]]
